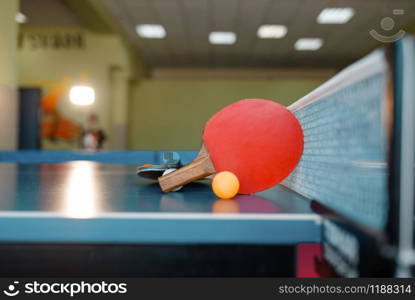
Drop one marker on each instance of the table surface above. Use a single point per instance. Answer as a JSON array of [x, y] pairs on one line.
[[90, 202]]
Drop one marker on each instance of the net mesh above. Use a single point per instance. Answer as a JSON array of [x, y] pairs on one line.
[[344, 161]]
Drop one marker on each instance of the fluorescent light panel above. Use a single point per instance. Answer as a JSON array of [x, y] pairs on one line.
[[82, 95], [335, 15], [271, 31], [151, 31], [222, 37], [308, 44]]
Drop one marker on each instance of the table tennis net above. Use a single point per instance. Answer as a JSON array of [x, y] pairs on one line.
[[344, 163]]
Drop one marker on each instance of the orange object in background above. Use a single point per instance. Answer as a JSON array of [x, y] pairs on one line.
[[50, 101], [54, 125], [60, 128], [67, 130]]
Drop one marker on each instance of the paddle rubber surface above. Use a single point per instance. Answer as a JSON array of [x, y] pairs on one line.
[[260, 141]]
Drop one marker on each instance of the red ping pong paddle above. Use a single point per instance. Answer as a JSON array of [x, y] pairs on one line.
[[258, 140]]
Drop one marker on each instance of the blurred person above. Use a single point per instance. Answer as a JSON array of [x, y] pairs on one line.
[[93, 137]]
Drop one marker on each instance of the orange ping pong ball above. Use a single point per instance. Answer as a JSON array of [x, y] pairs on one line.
[[225, 185]]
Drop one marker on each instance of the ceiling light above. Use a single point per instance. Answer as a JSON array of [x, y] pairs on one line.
[[222, 37], [151, 31], [82, 95], [271, 31], [20, 18], [339, 15], [308, 44]]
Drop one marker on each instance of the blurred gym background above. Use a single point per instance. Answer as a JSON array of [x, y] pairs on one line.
[[148, 74]]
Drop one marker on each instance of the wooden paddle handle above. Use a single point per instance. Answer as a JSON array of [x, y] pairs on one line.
[[199, 168]]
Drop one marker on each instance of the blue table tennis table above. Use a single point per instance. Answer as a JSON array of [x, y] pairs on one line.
[[85, 216]]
